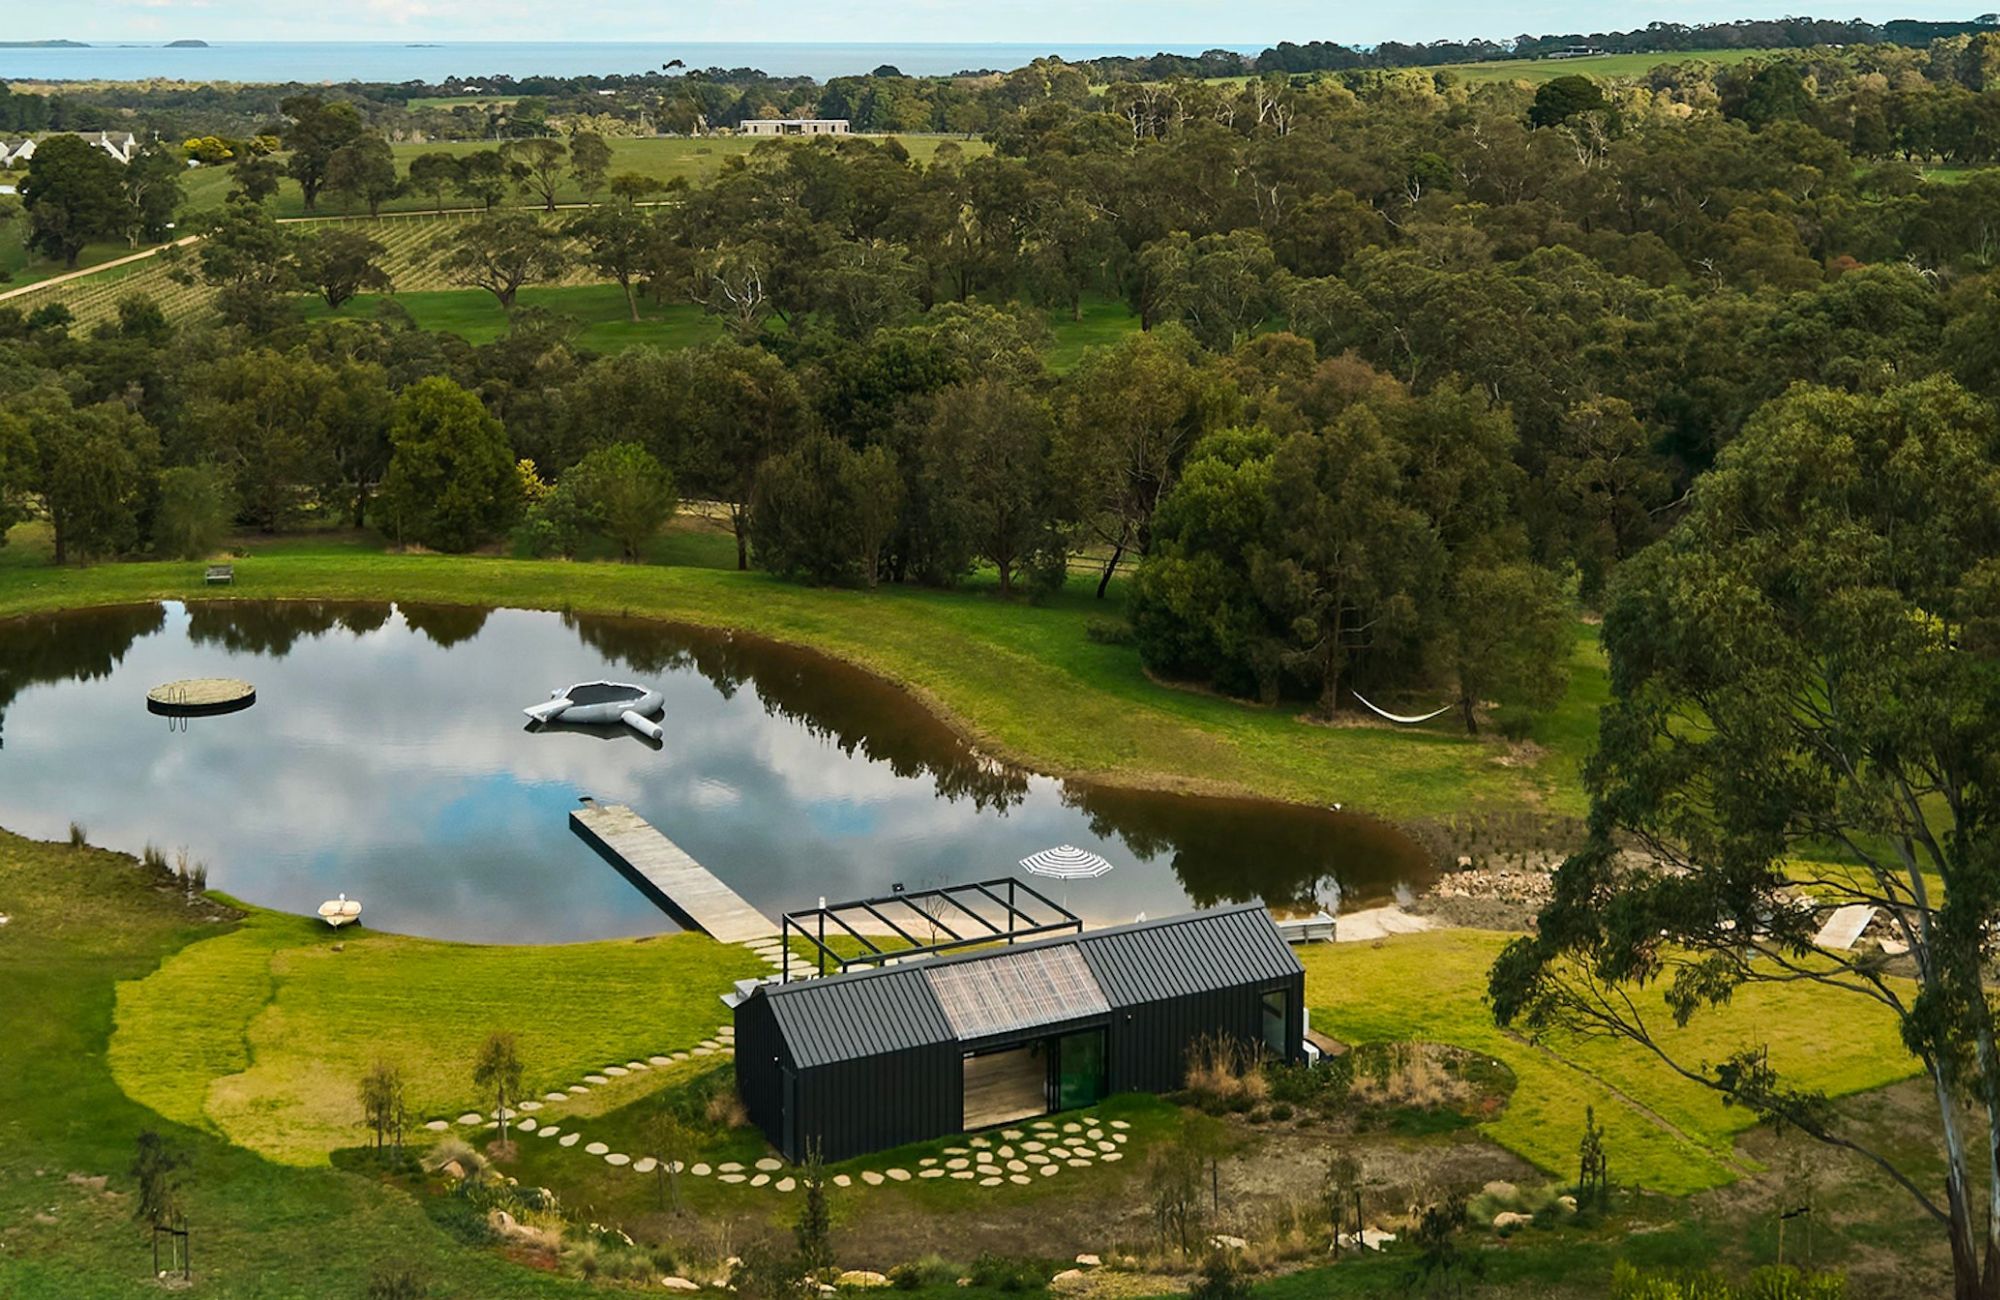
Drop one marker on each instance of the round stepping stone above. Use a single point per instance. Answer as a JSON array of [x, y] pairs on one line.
[[1114, 1155], [555, 1096], [1045, 1125], [709, 1043], [1095, 1134], [956, 1151], [637, 1065], [994, 1181], [1036, 1158], [729, 1178], [872, 1178], [661, 1060], [704, 1051], [547, 1131], [927, 1162], [1017, 1166], [1012, 1134], [526, 1124], [899, 1175], [618, 1158], [505, 1112], [569, 1139], [930, 1173], [577, 1090], [1050, 1171], [1006, 1153], [1119, 1123], [1067, 1128], [769, 1165], [1022, 1179], [760, 1180], [616, 1071], [730, 1167], [679, 1056], [595, 1079], [470, 1117], [1034, 1146], [1107, 1146], [786, 1184], [842, 1180], [698, 1169], [438, 1125], [531, 1106], [645, 1165], [1078, 1164], [983, 1157], [491, 1123], [981, 1142], [957, 1162], [596, 1149], [1121, 1138], [961, 1173]]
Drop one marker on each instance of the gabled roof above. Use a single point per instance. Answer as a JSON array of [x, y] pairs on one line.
[[990, 992]]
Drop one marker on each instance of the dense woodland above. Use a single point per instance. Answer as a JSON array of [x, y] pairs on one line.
[[1419, 366]]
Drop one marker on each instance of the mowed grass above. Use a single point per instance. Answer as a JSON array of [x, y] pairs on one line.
[[82, 921], [1101, 323], [606, 325], [1663, 1132], [663, 158], [261, 1035], [1024, 681]]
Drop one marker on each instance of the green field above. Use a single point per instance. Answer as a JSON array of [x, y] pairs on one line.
[[475, 316], [1024, 681], [1596, 65], [664, 158]]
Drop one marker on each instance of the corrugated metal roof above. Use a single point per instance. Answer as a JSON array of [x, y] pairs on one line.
[[847, 1017], [1016, 990], [1187, 954]]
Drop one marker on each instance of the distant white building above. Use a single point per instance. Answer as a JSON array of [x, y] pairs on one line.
[[795, 126], [121, 145]]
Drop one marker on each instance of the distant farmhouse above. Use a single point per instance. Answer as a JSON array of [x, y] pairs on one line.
[[121, 145], [795, 126]]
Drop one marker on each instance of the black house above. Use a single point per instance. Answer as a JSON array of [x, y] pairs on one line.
[[859, 1062]]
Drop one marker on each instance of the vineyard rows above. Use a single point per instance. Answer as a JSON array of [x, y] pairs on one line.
[[94, 298]]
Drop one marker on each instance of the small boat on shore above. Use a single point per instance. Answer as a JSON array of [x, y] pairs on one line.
[[602, 704]]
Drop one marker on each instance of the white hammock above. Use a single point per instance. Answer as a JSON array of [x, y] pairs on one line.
[[1408, 720]]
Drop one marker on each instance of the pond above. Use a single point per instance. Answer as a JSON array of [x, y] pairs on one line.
[[387, 758]]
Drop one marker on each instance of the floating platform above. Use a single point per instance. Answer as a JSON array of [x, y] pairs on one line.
[[682, 887], [196, 697]]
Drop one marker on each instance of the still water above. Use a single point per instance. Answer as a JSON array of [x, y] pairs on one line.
[[387, 758]]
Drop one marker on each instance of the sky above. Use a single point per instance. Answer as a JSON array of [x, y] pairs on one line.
[[1143, 22]]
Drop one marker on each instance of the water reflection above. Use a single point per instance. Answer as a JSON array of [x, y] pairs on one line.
[[386, 758]]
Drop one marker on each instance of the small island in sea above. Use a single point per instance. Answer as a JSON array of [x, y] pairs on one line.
[[43, 45], [187, 45]]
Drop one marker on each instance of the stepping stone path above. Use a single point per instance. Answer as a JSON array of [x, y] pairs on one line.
[[760, 1180], [730, 1167], [786, 1184], [767, 1164], [618, 1158], [872, 1178], [547, 1131], [526, 1125], [899, 1175], [930, 1173], [699, 1170], [616, 1071], [470, 1117], [555, 1096], [994, 1181], [729, 1178], [569, 1139], [645, 1165], [438, 1125], [531, 1106], [596, 1149], [593, 1079], [660, 1060], [1023, 1179], [842, 1180]]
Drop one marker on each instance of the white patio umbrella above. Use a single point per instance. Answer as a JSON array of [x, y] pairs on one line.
[[1066, 862], [337, 912]]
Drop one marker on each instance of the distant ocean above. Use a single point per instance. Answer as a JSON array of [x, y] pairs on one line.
[[318, 61]]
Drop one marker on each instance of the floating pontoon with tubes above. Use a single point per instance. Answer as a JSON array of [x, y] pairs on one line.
[[603, 704]]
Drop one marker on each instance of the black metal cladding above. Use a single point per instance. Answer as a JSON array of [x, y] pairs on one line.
[[861, 1062]]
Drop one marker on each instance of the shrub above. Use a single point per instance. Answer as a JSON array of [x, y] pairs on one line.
[[79, 835], [396, 1279], [194, 511], [1224, 1073], [1011, 1276], [1221, 1278], [928, 1273], [152, 859], [1515, 725]]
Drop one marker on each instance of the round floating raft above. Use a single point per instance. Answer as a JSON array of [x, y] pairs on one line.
[[200, 696]]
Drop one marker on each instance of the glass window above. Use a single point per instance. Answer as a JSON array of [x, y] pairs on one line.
[[1277, 1008]]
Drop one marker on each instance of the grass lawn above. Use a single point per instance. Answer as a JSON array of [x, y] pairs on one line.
[[1024, 681], [663, 158], [1104, 321], [83, 920], [1663, 1132], [259, 1035], [475, 316]]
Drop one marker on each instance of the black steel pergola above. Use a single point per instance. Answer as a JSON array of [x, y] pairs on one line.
[[948, 911]]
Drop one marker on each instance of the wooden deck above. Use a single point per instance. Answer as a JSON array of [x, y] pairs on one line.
[[682, 887]]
